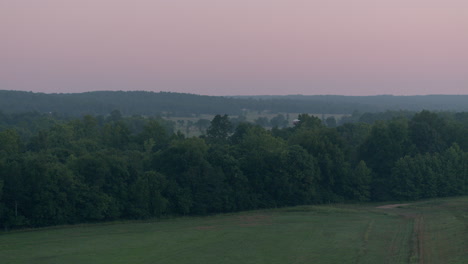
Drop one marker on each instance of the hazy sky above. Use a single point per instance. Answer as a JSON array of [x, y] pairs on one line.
[[236, 47]]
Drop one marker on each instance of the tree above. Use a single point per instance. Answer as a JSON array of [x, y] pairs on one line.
[[455, 172], [236, 192], [146, 195], [219, 129], [54, 196], [427, 132], [86, 128], [279, 121], [387, 143], [10, 142], [202, 124], [357, 184], [116, 135], [188, 127], [194, 186], [262, 121], [354, 135], [85, 170], [309, 122], [301, 177], [114, 116], [154, 135], [329, 149], [259, 155], [331, 121], [15, 193]]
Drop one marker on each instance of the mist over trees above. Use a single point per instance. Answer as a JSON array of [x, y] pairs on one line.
[[56, 170]]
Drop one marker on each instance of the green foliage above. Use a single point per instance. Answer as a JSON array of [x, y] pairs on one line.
[[10, 142], [262, 121], [98, 168], [1, 188], [330, 151], [387, 142], [358, 183], [178, 104], [331, 121], [427, 132], [308, 122], [154, 136], [279, 121], [146, 195], [116, 135], [430, 175], [219, 129], [203, 124]]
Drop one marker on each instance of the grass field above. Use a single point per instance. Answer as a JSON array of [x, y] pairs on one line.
[[251, 116], [434, 231]]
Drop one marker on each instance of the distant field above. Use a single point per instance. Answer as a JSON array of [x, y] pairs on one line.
[[250, 116], [434, 231]]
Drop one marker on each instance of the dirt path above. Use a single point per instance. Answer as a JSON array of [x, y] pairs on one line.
[[417, 251], [419, 239]]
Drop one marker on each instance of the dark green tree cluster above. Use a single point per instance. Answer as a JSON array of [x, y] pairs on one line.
[[116, 167]]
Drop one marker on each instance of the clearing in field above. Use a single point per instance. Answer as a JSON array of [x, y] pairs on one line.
[[434, 231]]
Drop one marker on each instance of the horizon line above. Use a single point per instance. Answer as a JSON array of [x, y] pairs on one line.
[[239, 95]]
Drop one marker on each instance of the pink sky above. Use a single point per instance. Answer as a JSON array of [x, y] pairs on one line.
[[236, 47]]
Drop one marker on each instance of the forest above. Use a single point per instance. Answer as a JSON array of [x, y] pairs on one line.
[[183, 105], [56, 170]]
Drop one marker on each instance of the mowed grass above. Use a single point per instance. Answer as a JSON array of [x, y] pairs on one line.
[[432, 231]]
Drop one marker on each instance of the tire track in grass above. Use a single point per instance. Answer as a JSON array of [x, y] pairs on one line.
[[399, 249], [417, 253], [365, 239], [421, 239], [396, 243]]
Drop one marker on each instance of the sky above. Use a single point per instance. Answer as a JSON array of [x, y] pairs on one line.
[[235, 47]]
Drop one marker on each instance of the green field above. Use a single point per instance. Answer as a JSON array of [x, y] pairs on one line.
[[434, 231], [250, 116]]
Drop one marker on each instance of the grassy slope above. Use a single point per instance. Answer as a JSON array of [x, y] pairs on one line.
[[433, 231]]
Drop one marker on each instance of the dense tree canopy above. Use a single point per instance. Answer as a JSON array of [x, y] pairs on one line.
[[99, 168]]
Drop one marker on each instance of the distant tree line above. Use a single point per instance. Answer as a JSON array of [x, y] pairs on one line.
[[98, 168], [185, 105]]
